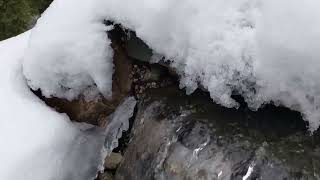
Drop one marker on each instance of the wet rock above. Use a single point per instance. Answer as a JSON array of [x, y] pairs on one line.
[[112, 161], [155, 73], [188, 137], [93, 111], [106, 176], [137, 49], [146, 76]]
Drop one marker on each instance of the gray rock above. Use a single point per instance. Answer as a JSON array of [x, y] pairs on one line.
[[188, 137], [106, 176], [112, 161], [137, 49]]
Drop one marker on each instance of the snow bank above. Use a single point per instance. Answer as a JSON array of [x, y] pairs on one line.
[[263, 50], [210, 42], [69, 51], [38, 143], [288, 61]]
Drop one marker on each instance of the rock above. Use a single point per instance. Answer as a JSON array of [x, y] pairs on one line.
[[123, 68], [155, 73], [175, 136], [106, 176], [95, 110], [137, 49], [112, 161]]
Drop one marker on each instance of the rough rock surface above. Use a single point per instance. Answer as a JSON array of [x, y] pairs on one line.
[[188, 137], [112, 161], [106, 176]]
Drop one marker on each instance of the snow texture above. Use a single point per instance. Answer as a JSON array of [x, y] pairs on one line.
[[264, 50], [69, 51], [267, 51], [38, 143]]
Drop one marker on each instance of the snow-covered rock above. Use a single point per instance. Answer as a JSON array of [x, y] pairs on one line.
[[69, 51], [264, 50], [91, 106], [39, 143]]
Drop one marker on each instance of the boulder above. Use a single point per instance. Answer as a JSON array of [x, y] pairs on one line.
[[175, 136], [112, 161], [96, 109]]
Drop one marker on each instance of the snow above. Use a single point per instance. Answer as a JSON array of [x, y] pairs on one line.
[[209, 41], [249, 172], [37, 142], [69, 51], [288, 57], [264, 50], [267, 51]]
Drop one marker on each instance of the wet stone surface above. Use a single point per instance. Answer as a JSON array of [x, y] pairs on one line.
[[146, 76], [175, 136]]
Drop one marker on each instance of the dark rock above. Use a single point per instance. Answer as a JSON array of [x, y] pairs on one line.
[[112, 161], [92, 112], [106, 176], [188, 137], [137, 49]]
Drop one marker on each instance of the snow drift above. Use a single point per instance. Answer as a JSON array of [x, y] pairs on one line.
[[264, 50]]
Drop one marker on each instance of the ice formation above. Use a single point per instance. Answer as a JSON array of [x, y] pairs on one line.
[[119, 123], [264, 50], [38, 143]]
